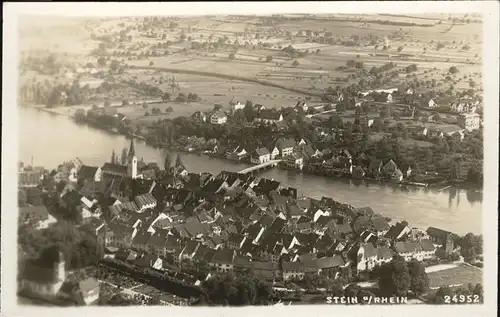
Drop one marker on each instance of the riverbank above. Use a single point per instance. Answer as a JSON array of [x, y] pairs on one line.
[[437, 183], [457, 211]]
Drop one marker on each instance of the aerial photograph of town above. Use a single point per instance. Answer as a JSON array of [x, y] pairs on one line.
[[235, 160]]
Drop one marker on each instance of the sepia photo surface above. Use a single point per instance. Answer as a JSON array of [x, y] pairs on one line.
[[310, 156]]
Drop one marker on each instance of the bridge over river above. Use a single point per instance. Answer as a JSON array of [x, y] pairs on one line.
[[255, 168]]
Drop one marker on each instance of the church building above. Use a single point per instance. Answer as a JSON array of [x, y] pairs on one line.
[[129, 170]]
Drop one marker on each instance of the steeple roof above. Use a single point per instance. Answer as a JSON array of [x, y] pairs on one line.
[[131, 151]]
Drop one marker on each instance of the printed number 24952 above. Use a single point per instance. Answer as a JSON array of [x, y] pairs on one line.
[[459, 299]]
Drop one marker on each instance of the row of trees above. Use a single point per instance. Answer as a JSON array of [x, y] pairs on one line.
[[398, 277], [471, 245], [181, 97], [69, 95], [355, 64], [231, 290]]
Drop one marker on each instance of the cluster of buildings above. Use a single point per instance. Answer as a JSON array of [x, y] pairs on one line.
[[232, 222], [281, 148], [465, 107], [299, 154]]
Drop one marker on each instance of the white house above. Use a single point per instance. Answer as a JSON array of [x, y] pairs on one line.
[[237, 154], [320, 213], [368, 257], [389, 98], [268, 117], [464, 105], [90, 208], [285, 146], [420, 250], [298, 270], [431, 104], [237, 106], [260, 155], [274, 152], [295, 161], [219, 117]]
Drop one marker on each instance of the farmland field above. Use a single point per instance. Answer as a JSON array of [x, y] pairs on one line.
[[253, 51], [462, 274]]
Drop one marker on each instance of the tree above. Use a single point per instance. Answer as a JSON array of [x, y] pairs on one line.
[[364, 296], [453, 70], [400, 49], [113, 157], [249, 111], [246, 289], [384, 113], [80, 115], [181, 97], [394, 278], [358, 65], [124, 156], [351, 63], [295, 63], [419, 281], [474, 175], [340, 107], [101, 61], [478, 290], [442, 292], [231, 56], [178, 161], [114, 65], [411, 68], [168, 161], [470, 245], [269, 58], [151, 63], [352, 290], [166, 96]]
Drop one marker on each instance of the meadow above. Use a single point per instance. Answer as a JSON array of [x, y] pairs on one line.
[[460, 275]]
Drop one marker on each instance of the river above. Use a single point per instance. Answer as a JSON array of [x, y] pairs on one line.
[[51, 139]]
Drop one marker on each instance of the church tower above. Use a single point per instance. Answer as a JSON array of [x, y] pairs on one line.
[[132, 161], [53, 259], [60, 268]]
